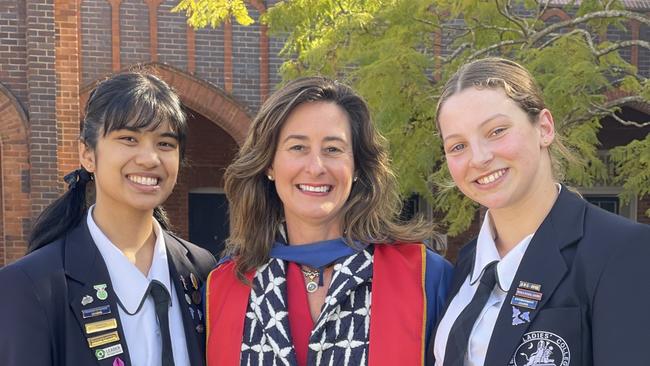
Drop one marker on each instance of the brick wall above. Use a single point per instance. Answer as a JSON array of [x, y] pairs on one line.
[[275, 61], [96, 56], [172, 37], [644, 53], [41, 88], [210, 56], [246, 62], [13, 48], [134, 32], [67, 19]]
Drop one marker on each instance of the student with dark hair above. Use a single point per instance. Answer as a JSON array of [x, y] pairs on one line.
[[108, 284], [550, 279]]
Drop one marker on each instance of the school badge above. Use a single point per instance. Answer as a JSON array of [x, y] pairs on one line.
[[541, 348]]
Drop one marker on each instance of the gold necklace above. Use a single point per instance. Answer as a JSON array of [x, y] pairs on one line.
[[312, 276]]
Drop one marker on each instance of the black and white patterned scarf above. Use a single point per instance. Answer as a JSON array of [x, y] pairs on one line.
[[340, 335]]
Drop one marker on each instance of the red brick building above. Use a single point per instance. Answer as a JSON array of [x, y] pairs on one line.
[[52, 52]]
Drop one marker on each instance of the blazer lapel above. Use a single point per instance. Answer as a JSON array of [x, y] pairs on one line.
[[543, 264], [464, 266], [188, 287], [92, 299]]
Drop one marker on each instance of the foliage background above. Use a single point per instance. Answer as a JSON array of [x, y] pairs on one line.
[[398, 54]]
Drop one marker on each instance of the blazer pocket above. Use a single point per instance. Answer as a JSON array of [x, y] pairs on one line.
[[553, 338]]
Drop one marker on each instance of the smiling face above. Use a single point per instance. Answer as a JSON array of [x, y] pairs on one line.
[[134, 170], [313, 166], [495, 154]]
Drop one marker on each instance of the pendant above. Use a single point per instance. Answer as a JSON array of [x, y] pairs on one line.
[[312, 286]]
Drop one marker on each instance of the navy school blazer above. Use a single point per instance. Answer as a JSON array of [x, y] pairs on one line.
[[593, 272], [42, 317]]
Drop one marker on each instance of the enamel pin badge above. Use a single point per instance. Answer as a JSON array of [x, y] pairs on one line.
[[519, 317], [98, 311], [107, 352], [86, 300], [528, 295], [101, 294]]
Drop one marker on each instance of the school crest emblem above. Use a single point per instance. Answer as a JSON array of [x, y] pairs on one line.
[[541, 348]]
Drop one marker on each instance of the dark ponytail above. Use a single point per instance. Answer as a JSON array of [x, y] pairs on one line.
[[63, 214], [133, 100]]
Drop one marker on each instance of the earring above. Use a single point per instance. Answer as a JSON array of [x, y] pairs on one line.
[[270, 177], [545, 141], [355, 178]]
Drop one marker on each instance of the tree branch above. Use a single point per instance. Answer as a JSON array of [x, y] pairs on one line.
[[456, 52], [628, 123], [494, 27], [630, 99], [596, 52], [493, 47], [607, 110], [585, 18], [541, 10], [622, 44], [505, 12]]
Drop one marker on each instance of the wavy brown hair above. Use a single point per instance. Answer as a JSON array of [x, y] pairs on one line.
[[371, 213]]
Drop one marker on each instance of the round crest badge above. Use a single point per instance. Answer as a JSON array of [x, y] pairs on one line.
[[541, 348]]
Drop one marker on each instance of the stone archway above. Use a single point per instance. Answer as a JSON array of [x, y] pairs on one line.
[[14, 187], [199, 96]]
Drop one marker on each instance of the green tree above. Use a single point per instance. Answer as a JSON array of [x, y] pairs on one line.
[[398, 53]]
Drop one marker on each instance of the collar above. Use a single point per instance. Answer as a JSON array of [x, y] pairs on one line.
[[315, 255], [486, 252], [129, 284]]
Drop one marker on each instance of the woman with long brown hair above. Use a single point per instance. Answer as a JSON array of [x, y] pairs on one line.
[[321, 270]]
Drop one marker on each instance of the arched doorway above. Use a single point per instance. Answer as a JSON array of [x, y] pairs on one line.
[[14, 184]]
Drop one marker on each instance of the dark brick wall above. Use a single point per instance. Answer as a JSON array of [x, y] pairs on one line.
[[275, 61], [134, 32], [13, 48], [644, 53], [172, 36], [246, 62], [96, 56], [210, 55], [615, 34], [41, 83]]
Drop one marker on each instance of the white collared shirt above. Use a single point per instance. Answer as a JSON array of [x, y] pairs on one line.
[[479, 339], [141, 330]]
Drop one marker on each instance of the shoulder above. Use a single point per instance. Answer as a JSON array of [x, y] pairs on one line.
[[603, 222], [32, 285], [611, 251], [605, 233], [438, 275], [35, 267], [201, 258], [435, 260], [224, 265]]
